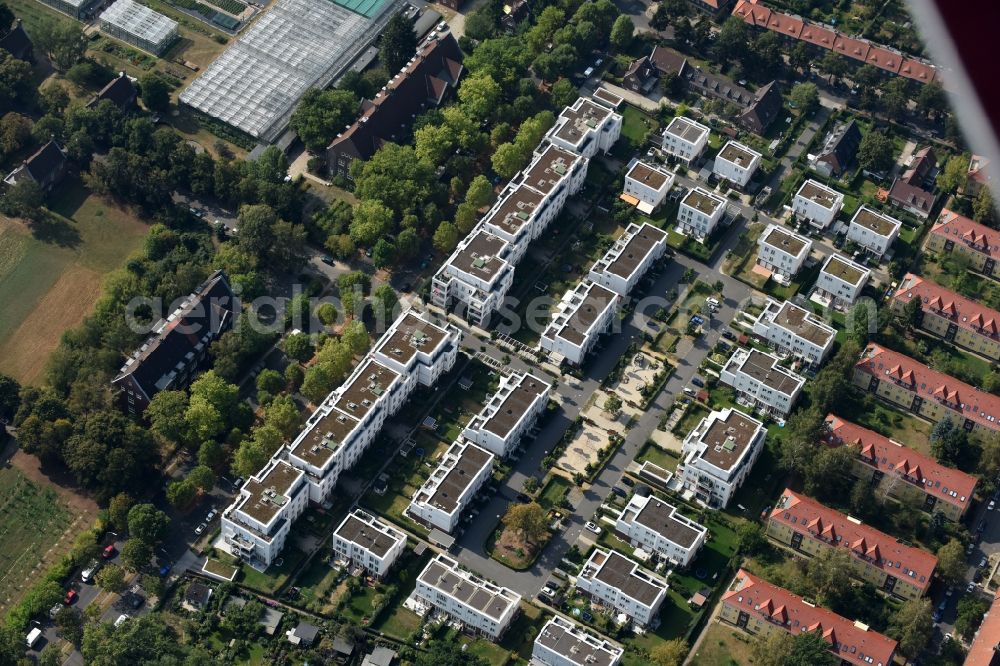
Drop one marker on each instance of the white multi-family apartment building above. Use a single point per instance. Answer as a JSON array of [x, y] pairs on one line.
[[586, 128], [717, 456], [452, 486], [477, 275], [480, 605], [564, 643], [412, 352], [578, 320], [783, 252], [736, 163], [873, 231], [519, 216], [685, 138], [622, 266], [817, 203], [761, 383], [509, 413], [648, 184], [619, 583], [657, 527], [367, 542], [255, 526], [841, 281], [699, 213], [796, 331]]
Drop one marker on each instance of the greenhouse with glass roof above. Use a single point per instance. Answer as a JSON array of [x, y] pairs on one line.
[[139, 26]]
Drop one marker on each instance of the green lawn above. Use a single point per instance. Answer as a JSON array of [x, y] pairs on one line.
[[695, 413], [880, 417], [722, 645], [654, 454], [316, 584], [275, 576], [554, 492], [637, 124]]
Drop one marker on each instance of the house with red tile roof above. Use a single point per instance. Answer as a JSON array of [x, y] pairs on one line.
[[957, 234], [903, 473], [761, 608], [913, 191], [902, 381], [808, 528], [978, 175], [985, 648], [951, 316]]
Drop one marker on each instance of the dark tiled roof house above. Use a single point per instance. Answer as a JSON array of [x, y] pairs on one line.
[[168, 359], [17, 43], [839, 149], [424, 82], [120, 91], [46, 167]]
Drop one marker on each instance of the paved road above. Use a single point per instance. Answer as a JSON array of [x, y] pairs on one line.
[[800, 144], [573, 395]]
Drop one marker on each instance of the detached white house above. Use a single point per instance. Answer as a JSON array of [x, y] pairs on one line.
[[736, 163], [564, 643], [699, 213], [873, 231], [817, 203], [509, 413], [841, 281], [796, 331], [622, 585], [366, 541], [449, 490], [783, 252], [655, 526], [578, 320], [718, 455], [635, 251], [480, 605], [761, 382], [685, 139], [646, 184]]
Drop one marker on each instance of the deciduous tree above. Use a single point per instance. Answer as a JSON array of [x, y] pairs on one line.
[[321, 114]]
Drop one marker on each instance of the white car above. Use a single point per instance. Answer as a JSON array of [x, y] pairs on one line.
[[992, 505], [592, 527], [211, 514], [200, 528], [121, 620]]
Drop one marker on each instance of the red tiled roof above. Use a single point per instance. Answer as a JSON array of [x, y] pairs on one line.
[[752, 13], [807, 516], [918, 71], [884, 59], [850, 47], [818, 35], [790, 26], [987, 640], [849, 641], [963, 312], [968, 401], [945, 483], [957, 227]]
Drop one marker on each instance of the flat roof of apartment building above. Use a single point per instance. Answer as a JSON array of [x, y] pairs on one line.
[[764, 368], [874, 221], [786, 241], [461, 468], [576, 121], [480, 257], [727, 438], [641, 241], [664, 519], [803, 323], [819, 193], [738, 154], [686, 129], [515, 405], [445, 575], [576, 644], [549, 169], [270, 493], [703, 201], [411, 334], [606, 96], [369, 532], [323, 439], [845, 269], [363, 388], [514, 211], [648, 175], [582, 318], [623, 574]]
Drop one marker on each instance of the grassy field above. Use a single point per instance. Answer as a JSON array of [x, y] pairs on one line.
[[33, 522], [51, 274], [722, 646]]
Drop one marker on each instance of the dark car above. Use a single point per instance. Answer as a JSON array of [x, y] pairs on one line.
[[628, 481], [697, 381], [617, 490], [522, 498], [729, 335], [327, 259]]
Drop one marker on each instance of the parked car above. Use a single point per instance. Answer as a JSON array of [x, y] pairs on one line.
[[628, 481], [87, 574], [983, 562], [522, 498], [109, 551], [618, 490], [121, 620], [688, 390], [211, 514], [592, 527], [992, 505], [200, 528], [327, 259], [71, 597], [697, 381], [970, 588]]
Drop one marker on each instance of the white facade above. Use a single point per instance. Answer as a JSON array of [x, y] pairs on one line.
[[761, 383], [519, 216], [586, 128], [649, 183], [579, 319], [622, 585], [817, 203], [365, 541], [783, 252], [699, 213], [564, 643], [685, 139], [874, 231], [477, 275], [718, 455], [255, 526], [480, 605], [736, 163], [655, 526], [509, 414], [622, 266], [841, 281], [452, 486], [796, 331]]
